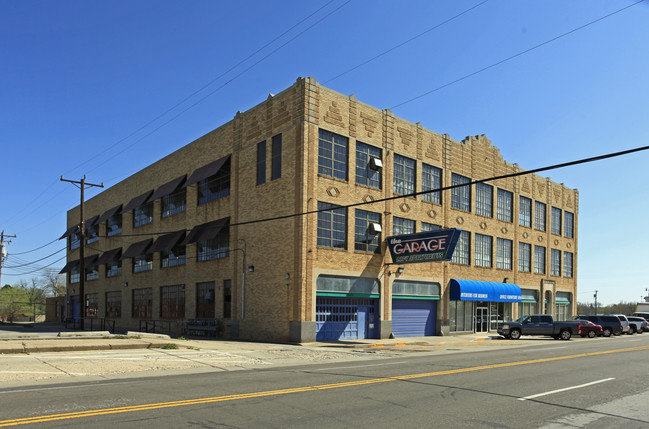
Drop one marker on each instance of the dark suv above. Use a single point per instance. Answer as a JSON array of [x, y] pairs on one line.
[[611, 325]]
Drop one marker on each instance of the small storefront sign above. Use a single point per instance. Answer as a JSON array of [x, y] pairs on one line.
[[429, 246]]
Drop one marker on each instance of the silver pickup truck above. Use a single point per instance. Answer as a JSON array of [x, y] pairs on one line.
[[538, 324]]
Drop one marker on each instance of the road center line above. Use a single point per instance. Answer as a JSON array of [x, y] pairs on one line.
[[565, 389]]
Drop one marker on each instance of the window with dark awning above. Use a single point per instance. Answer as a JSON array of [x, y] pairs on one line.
[[89, 223], [206, 231], [168, 188], [90, 261], [206, 171], [69, 267], [137, 201], [70, 231], [106, 257], [167, 241], [109, 213], [137, 249]]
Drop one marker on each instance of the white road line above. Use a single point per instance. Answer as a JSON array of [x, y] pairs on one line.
[[565, 389]]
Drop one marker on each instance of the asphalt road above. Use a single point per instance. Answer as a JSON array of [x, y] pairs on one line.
[[598, 383]]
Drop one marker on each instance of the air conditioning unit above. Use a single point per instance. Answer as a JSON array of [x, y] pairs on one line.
[[374, 228], [375, 164]]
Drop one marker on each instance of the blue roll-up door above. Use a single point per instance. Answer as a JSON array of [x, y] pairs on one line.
[[413, 317], [346, 318]]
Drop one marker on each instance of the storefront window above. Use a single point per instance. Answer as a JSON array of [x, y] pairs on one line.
[[460, 316]]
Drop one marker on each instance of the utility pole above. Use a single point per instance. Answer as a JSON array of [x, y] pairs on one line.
[[595, 296], [81, 184], [3, 250]]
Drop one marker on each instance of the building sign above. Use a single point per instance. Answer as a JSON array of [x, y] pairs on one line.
[[429, 246]]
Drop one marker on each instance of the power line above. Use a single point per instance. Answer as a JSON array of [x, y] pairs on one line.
[[33, 250], [33, 262], [38, 269], [515, 55], [405, 42]]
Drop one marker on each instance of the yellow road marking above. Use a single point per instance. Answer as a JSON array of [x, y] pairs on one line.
[[187, 402]]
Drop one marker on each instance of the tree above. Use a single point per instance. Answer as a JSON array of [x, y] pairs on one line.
[[14, 302], [53, 283]]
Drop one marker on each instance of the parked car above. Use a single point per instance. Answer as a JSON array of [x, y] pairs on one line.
[[639, 323], [626, 329], [641, 314], [611, 325], [538, 324], [589, 329]]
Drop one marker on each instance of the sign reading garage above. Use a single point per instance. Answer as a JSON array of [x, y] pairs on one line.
[[429, 246]]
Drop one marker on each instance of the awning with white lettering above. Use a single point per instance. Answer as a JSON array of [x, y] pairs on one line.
[[473, 290]]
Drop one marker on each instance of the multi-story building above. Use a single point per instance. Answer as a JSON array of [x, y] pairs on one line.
[[275, 225]]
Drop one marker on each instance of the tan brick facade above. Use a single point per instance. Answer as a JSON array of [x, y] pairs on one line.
[[280, 294]]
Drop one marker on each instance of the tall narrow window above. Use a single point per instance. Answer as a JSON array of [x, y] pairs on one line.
[[462, 249], [261, 163], [567, 264], [366, 236], [555, 226], [525, 212], [431, 178], [114, 304], [504, 210], [504, 254], [332, 155], [484, 199], [205, 300], [524, 257], [227, 298], [332, 226], [555, 262], [483, 248], [539, 260], [276, 159], [404, 175], [368, 165], [539, 216], [568, 225], [461, 195]]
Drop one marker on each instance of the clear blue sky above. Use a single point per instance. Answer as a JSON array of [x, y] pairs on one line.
[[82, 81]]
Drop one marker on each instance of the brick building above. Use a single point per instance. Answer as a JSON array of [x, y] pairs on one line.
[[177, 242]]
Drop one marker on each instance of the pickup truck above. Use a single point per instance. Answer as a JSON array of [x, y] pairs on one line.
[[538, 324]]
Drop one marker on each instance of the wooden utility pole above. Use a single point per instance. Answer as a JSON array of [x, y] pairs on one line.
[[3, 252], [81, 184]]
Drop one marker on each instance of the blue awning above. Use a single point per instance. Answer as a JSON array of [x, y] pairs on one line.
[[472, 290]]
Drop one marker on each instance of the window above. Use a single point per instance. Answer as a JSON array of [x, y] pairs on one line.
[[366, 238], [555, 262], [567, 264], [462, 249], [460, 314], [114, 305], [142, 301], [483, 248], [227, 298], [539, 216], [401, 226], [143, 263], [143, 214], [332, 155], [484, 199], [174, 257], [524, 257], [216, 248], [75, 275], [504, 208], [205, 300], [114, 225], [404, 175], [425, 226], [539, 260], [172, 302], [461, 196], [276, 158], [216, 186], [504, 254], [261, 163], [332, 226], [431, 178], [368, 172], [527, 308], [555, 226], [93, 234], [92, 273], [92, 305], [75, 240], [114, 267], [525, 212], [568, 225], [174, 203]]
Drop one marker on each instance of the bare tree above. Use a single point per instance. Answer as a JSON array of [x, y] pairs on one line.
[[53, 283]]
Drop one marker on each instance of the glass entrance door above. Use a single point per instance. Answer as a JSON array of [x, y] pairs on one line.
[[482, 319]]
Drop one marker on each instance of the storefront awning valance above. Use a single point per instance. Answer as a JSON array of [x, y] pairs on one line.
[[206, 171], [168, 188], [69, 267], [109, 213], [473, 290], [137, 201], [137, 249], [106, 257], [206, 231], [167, 241]]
